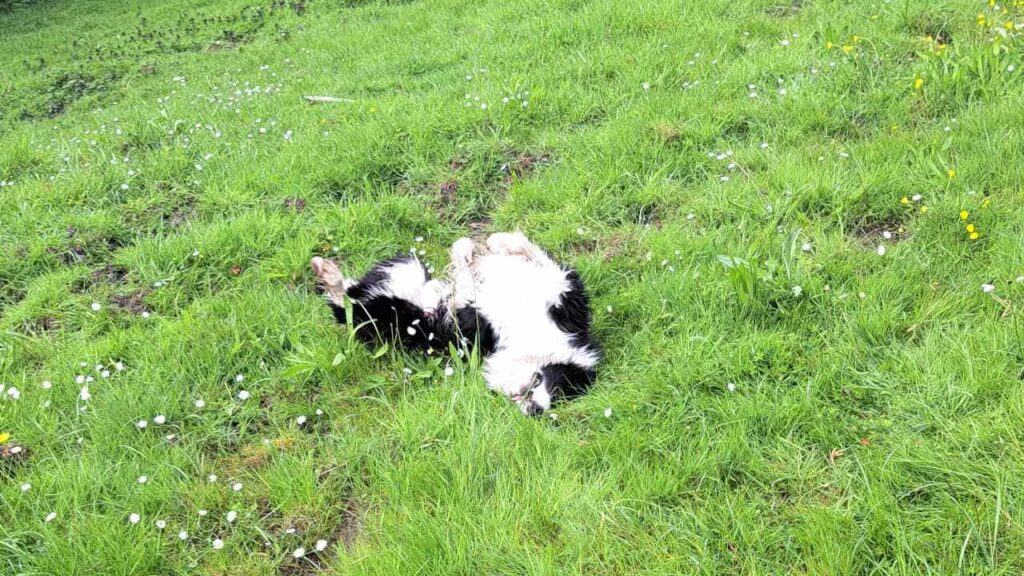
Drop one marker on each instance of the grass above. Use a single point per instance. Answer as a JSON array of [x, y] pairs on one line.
[[786, 396]]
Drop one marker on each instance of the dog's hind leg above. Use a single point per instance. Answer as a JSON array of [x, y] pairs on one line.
[[332, 281]]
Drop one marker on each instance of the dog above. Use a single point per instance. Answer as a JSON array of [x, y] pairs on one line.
[[528, 316]]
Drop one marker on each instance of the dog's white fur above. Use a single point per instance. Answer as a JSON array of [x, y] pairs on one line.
[[514, 283]]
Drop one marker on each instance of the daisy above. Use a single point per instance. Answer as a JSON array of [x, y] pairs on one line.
[[608, 412], [243, 394], [182, 535], [133, 518], [50, 517], [237, 486], [96, 306], [218, 544], [299, 553]]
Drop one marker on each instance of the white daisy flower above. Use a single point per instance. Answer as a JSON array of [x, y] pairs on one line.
[[986, 288], [50, 517], [159, 419], [300, 420], [218, 544], [142, 479], [881, 249], [134, 518], [243, 394], [26, 487], [46, 385], [161, 524], [299, 552], [83, 394], [14, 393], [212, 478], [182, 535], [239, 377], [608, 412], [232, 515], [237, 486], [200, 403], [797, 291], [141, 424], [96, 306], [731, 387]]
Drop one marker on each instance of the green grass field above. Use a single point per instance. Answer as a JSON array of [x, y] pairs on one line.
[[802, 224]]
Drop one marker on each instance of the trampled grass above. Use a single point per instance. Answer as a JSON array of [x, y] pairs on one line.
[[812, 366]]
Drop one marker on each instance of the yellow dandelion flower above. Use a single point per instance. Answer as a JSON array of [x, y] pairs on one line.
[[847, 48], [905, 201], [918, 83], [986, 202], [924, 209], [1009, 25], [828, 45], [970, 227], [964, 214], [952, 173], [4, 437], [856, 39], [975, 236]]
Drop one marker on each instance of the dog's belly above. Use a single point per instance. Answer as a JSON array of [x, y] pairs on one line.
[[514, 295]]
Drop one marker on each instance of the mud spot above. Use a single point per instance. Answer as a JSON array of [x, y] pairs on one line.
[[447, 191], [110, 274], [133, 303], [521, 164], [295, 204], [870, 232]]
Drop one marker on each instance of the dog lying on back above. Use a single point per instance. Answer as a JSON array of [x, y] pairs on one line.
[[529, 316]]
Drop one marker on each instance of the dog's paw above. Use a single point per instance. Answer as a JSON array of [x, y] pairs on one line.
[[462, 252], [328, 272], [508, 244]]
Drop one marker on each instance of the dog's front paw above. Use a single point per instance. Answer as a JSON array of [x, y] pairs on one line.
[[462, 252], [508, 244]]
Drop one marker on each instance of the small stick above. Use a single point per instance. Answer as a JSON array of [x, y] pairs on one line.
[[326, 99]]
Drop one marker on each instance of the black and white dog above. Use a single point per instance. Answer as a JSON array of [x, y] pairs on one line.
[[529, 315]]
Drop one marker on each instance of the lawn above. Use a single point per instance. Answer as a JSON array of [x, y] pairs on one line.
[[801, 223]]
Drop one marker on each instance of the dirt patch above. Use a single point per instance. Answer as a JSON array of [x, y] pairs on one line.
[[12, 455], [873, 231], [521, 164], [295, 204], [666, 133], [181, 213], [785, 9], [614, 248], [457, 163], [133, 303], [446, 192], [110, 274]]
